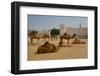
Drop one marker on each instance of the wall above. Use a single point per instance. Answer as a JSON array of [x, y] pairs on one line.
[[5, 41]]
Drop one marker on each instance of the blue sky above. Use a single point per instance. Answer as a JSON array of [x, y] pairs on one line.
[[47, 22]]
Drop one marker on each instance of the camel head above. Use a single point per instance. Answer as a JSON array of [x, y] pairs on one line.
[[74, 35]]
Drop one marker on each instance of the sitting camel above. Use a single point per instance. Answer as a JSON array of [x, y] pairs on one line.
[[47, 48], [78, 41]]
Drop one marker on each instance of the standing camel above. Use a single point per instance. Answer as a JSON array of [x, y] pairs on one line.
[[66, 36], [38, 37], [45, 36], [35, 36]]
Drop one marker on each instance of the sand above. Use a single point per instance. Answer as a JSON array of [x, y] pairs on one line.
[[75, 51]]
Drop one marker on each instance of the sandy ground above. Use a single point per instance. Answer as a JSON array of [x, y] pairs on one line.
[[75, 51]]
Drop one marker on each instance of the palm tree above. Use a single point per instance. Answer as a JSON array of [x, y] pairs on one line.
[[54, 32]]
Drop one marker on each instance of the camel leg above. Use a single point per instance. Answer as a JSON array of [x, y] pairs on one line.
[[31, 40], [60, 44], [67, 42], [38, 40]]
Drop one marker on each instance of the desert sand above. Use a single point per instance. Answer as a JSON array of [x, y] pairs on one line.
[[75, 51]]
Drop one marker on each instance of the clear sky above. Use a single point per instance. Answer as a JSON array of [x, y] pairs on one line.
[[47, 22]]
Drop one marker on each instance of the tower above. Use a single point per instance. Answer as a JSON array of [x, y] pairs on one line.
[[80, 30], [62, 29], [80, 26]]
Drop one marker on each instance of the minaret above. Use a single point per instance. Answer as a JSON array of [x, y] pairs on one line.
[[80, 26], [62, 29], [80, 30]]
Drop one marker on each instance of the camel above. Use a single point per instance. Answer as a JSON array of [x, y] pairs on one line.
[[77, 41], [35, 36], [47, 48], [66, 36], [45, 36], [38, 37]]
